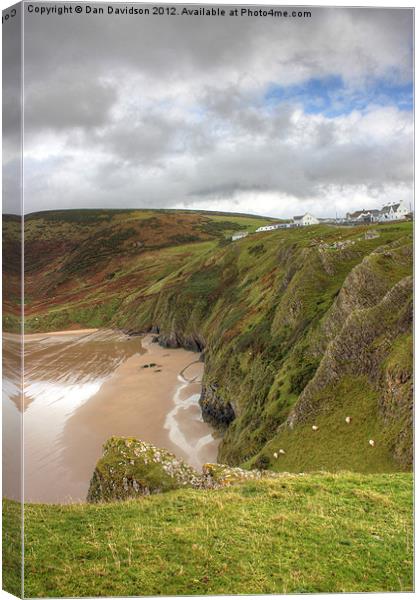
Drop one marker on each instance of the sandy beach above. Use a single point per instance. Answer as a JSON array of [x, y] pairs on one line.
[[83, 388], [66, 332]]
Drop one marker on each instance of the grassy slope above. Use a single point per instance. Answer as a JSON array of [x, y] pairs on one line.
[[336, 445], [313, 533]]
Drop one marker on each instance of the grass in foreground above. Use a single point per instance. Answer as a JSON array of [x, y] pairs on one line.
[[308, 533]]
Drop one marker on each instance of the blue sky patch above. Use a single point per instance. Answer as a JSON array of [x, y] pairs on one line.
[[331, 97]]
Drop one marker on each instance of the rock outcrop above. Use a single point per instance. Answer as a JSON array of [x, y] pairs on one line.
[[195, 343], [364, 287], [214, 409], [360, 348], [130, 468]]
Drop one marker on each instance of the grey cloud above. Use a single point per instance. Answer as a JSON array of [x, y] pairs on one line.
[[12, 187], [11, 115], [68, 102], [151, 140], [304, 172]]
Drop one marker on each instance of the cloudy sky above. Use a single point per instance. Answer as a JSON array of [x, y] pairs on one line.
[[261, 115]]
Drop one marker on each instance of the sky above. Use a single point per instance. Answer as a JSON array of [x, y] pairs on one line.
[[245, 114]]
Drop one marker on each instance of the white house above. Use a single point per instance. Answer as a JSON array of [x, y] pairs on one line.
[[304, 220], [365, 215], [389, 212], [239, 236], [393, 212]]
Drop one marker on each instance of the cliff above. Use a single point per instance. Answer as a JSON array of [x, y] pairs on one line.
[[294, 326]]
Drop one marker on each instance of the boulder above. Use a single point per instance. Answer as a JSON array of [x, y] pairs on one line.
[[130, 468]]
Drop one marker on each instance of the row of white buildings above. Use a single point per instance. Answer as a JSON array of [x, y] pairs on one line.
[[390, 212], [393, 211], [298, 221]]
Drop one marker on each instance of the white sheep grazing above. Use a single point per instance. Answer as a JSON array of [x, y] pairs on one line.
[[372, 442], [275, 455], [281, 451], [348, 420], [314, 428]]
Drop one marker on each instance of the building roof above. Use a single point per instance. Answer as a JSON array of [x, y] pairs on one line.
[[369, 211], [387, 207], [298, 218], [374, 211]]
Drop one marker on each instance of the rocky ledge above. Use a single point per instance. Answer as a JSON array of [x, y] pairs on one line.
[[216, 476], [130, 468], [173, 339], [214, 409]]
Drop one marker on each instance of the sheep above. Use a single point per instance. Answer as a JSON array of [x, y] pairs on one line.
[[314, 427], [372, 442], [348, 420]]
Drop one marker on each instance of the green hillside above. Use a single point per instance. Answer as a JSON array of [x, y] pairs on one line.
[[81, 264], [314, 533]]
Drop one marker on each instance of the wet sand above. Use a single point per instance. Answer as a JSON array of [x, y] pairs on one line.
[[66, 333], [83, 387], [12, 422]]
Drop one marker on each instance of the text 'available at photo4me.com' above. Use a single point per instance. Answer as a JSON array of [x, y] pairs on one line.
[[49, 9]]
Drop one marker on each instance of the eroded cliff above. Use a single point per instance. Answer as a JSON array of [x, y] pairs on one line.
[[294, 326]]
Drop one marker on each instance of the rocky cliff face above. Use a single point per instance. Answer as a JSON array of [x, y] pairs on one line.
[[396, 399], [215, 410], [317, 332], [366, 285], [173, 339], [360, 333], [361, 346]]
